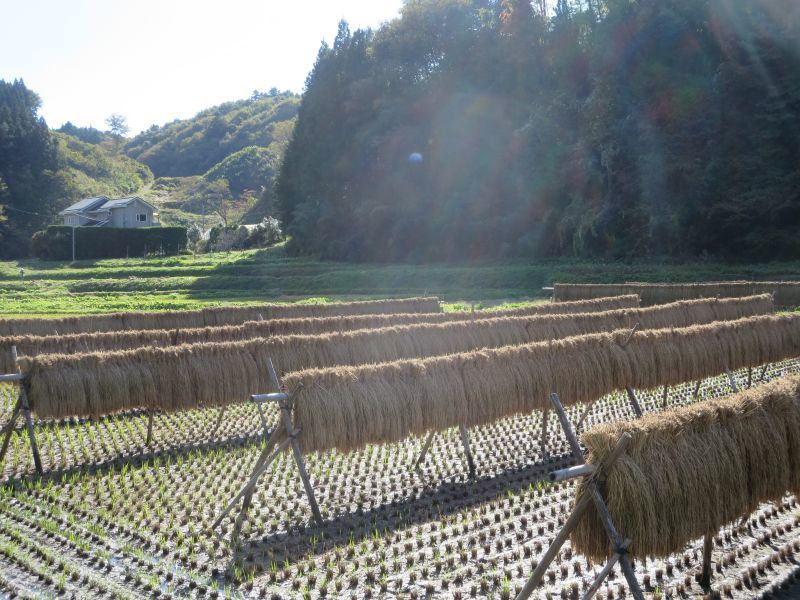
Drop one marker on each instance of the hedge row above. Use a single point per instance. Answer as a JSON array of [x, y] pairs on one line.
[[55, 243]]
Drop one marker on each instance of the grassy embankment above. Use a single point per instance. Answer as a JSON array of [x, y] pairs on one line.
[[269, 275]]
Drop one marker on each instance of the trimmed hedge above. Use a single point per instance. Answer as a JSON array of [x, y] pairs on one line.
[[55, 243]]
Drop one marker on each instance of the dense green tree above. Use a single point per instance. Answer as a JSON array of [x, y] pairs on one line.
[[28, 162], [117, 125], [193, 146], [612, 128]]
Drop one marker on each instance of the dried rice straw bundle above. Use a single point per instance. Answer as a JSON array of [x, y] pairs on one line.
[[689, 471], [191, 375], [225, 315], [408, 339], [786, 293], [479, 387]]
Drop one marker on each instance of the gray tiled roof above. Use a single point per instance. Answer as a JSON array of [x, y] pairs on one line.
[[124, 202], [86, 204]]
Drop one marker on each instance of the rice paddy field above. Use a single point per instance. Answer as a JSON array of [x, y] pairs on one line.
[[255, 276], [114, 516]]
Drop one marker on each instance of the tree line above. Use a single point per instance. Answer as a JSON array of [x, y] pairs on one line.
[[596, 128]]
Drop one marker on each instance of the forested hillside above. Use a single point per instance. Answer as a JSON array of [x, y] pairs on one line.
[[88, 169], [225, 159], [42, 171], [193, 146], [603, 128]]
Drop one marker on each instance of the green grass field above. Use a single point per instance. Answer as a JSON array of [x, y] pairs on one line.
[[269, 275]]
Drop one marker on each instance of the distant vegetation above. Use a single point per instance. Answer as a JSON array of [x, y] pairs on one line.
[[610, 128], [224, 162], [472, 130], [221, 163], [263, 275], [89, 169], [193, 146]]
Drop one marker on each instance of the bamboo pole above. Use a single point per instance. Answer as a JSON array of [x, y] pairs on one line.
[[637, 410], [219, 422], [705, 576], [543, 442], [424, 451], [27, 416], [734, 387], [467, 450], [583, 418], [567, 427], [601, 576], [581, 504], [9, 427], [149, 437]]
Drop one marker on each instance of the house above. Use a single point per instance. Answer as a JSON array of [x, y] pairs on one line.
[[102, 211]]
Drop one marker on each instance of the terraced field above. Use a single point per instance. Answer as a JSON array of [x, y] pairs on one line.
[[255, 276]]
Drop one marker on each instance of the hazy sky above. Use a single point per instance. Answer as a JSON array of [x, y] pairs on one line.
[[153, 61]]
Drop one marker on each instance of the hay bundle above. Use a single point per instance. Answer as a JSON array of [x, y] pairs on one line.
[[224, 315], [32, 345], [689, 471], [438, 333], [786, 293], [770, 337], [387, 402], [313, 318]]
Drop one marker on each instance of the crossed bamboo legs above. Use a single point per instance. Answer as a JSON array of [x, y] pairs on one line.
[[24, 408], [592, 495], [464, 442]]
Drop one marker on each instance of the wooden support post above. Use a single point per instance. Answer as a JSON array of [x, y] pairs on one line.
[[9, 428], [149, 437], [265, 459], [664, 397], [601, 576], [298, 459], [705, 576], [424, 451], [543, 442], [263, 420], [541, 568], [218, 423], [26, 412], [25, 408], [734, 387], [567, 427], [749, 377], [616, 540], [262, 463], [637, 410], [298, 456], [630, 335], [581, 505], [583, 418], [571, 472], [467, 451], [696, 389]]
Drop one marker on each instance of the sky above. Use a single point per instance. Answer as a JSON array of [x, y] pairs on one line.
[[154, 61]]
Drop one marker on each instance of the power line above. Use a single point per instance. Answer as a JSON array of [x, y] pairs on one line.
[[27, 212]]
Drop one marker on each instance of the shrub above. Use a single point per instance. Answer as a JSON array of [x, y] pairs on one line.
[[55, 243]]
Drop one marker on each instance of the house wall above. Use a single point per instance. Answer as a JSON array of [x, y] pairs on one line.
[[74, 220], [125, 216]]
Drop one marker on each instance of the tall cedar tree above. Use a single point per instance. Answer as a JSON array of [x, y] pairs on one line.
[[609, 128]]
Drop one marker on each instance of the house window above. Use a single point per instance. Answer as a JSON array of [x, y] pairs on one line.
[[141, 217]]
